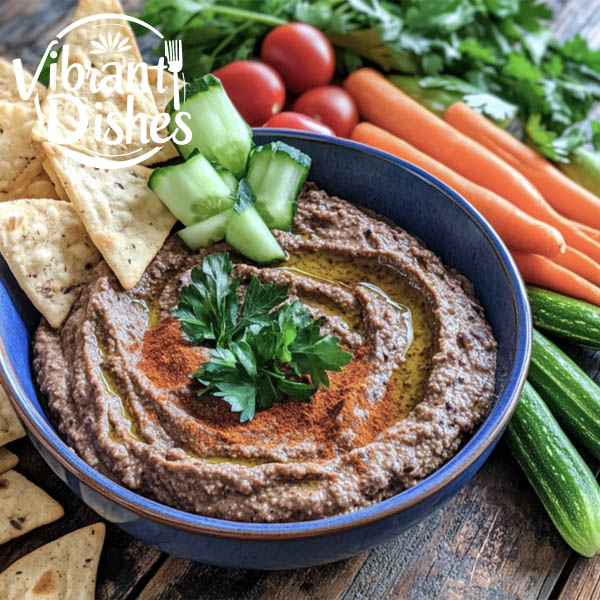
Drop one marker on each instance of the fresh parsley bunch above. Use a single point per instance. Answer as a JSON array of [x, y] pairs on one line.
[[264, 348], [499, 55]]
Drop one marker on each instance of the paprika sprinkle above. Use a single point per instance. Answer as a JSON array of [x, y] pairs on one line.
[[168, 359]]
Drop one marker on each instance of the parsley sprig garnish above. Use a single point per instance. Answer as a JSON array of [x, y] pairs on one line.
[[264, 348]]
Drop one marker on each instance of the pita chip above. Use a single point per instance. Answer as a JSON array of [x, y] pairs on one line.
[[8, 460], [10, 424], [99, 45], [125, 219], [64, 569], [58, 188], [48, 251], [20, 157], [23, 507], [8, 84]]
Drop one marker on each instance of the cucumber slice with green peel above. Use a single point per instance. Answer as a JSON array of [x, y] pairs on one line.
[[193, 190], [228, 178], [207, 232], [218, 130], [276, 173], [248, 233]]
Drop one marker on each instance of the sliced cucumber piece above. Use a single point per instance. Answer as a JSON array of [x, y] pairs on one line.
[[248, 233], [228, 178], [218, 130], [193, 190], [276, 173], [207, 232]]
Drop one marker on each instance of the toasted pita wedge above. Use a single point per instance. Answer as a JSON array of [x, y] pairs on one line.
[[8, 84], [23, 507], [10, 425], [59, 189], [99, 36], [40, 187], [49, 252], [8, 460], [20, 157], [64, 569], [125, 219]]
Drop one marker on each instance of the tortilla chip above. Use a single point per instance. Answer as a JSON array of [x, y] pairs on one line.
[[124, 218], [162, 98], [48, 251], [23, 507], [83, 41], [8, 460], [40, 187], [59, 189], [8, 84], [10, 424], [64, 569], [20, 157]]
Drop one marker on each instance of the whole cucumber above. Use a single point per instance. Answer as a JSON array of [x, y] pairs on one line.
[[565, 317], [571, 395], [560, 477]]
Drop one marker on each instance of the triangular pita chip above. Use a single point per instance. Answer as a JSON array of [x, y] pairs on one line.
[[8, 84], [10, 425], [125, 219], [64, 569], [20, 157], [49, 252], [59, 189], [40, 187], [23, 507], [95, 45], [8, 460]]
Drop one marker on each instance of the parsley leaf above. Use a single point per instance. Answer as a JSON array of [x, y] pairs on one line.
[[266, 350]]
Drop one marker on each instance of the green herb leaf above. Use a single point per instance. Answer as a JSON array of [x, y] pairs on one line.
[[265, 350]]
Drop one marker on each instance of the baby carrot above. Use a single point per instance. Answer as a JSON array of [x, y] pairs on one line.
[[541, 271], [515, 227], [579, 263], [385, 105], [589, 231], [565, 195]]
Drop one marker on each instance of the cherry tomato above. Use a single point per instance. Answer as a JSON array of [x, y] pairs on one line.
[[256, 89], [293, 120], [331, 105], [301, 54]]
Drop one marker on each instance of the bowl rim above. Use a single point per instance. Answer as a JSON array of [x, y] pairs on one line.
[[473, 449]]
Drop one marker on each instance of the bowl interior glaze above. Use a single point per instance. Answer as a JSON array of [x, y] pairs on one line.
[[414, 200]]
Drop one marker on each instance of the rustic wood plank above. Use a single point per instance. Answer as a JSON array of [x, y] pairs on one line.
[[179, 579], [584, 581], [125, 561]]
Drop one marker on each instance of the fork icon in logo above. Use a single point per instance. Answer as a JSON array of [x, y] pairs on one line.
[[174, 56]]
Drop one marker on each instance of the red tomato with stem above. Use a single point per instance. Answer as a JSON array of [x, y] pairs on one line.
[[301, 54], [331, 105], [293, 120], [255, 89]]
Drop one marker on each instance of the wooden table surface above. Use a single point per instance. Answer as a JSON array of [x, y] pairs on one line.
[[493, 540]]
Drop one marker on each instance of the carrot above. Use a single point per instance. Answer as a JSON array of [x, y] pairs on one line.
[[516, 228], [589, 231], [579, 263], [385, 105], [541, 271], [565, 195]]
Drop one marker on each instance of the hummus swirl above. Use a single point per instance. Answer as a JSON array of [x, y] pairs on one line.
[[296, 461]]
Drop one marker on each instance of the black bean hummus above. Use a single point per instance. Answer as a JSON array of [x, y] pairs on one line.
[[422, 377]]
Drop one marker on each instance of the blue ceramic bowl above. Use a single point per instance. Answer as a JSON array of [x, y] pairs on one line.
[[426, 208]]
